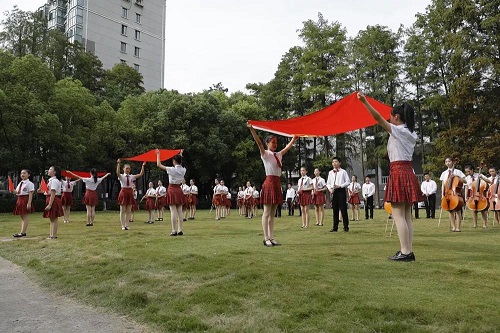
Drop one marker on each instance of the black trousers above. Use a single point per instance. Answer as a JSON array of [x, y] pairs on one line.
[[289, 203], [278, 211], [339, 204], [430, 205], [415, 209], [369, 207]]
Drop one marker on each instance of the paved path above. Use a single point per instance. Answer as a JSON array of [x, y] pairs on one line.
[[26, 307]]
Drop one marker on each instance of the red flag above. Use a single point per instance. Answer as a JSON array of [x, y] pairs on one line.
[[347, 114], [150, 156], [43, 186], [11, 185], [83, 174]]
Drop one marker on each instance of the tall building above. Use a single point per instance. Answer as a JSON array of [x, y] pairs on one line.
[[127, 31]]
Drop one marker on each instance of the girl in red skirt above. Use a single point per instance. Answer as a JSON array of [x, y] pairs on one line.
[[161, 200], [126, 197], [53, 210], [402, 188], [23, 207], [175, 196], [305, 191], [319, 198], [67, 197], [271, 195], [90, 199], [151, 199], [193, 199], [353, 191]]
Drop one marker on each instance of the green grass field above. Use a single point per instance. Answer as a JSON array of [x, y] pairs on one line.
[[219, 277]]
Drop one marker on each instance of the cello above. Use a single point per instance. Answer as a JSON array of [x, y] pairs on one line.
[[452, 192], [477, 200], [494, 194]]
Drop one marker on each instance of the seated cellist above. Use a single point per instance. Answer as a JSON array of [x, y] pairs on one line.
[[446, 176], [471, 178]]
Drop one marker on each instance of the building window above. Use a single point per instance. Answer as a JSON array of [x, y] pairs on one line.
[[124, 12], [124, 30], [137, 18], [123, 47], [137, 51], [137, 67], [137, 35]]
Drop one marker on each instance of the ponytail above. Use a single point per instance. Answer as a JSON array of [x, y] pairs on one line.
[[93, 172], [407, 115]]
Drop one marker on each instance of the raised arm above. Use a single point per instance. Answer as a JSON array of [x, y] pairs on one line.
[[73, 175], [139, 175], [158, 162], [256, 138], [106, 175], [289, 145], [118, 161], [375, 114]]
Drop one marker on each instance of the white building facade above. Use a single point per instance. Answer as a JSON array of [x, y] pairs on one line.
[[116, 31]]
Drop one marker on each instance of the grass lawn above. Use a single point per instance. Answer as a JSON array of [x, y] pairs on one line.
[[219, 277]]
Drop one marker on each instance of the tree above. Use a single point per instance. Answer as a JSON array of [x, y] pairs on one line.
[[119, 82]]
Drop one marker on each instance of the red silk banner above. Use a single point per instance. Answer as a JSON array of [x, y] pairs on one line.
[[347, 114], [83, 174], [150, 156], [11, 185], [43, 186]]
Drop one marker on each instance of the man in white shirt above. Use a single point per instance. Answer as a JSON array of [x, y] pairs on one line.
[[290, 197], [337, 183], [429, 189], [368, 190]]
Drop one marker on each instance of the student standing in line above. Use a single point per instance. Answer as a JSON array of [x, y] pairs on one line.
[[271, 189], [403, 188], [151, 199], [319, 198], [429, 189], [90, 199], [354, 189], [175, 197], [368, 190], [53, 209], [161, 200], [126, 197], [193, 199], [24, 206], [67, 197], [337, 183]]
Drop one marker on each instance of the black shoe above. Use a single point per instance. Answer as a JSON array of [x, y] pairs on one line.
[[275, 243], [333, 230], [402, 257], [21, 234], [346, 229], [126, 228], [184, 219], [173, 233], [180, 233]]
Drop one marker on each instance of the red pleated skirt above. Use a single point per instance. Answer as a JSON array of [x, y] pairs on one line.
[[56, 210], [125, 197], [402, 184], [228, 203], [239, 202], [217, 200], [175, 196], [319, 198], [20, 207], [67, 199], [135, 206], [194, 200], [271, 191], [150, 203], [161, 202], [90, 198], [354, 199], [305, 198]]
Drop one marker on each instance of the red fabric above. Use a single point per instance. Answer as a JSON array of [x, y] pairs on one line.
[[21, 207], [348, 114], [90, 198], [319, 198], [83, 174], [55, 210], [402, 184], [11, 184], [175, 196], [43, 186], [271, 191], [67, 199], [125, 197], [150, 156], [354, 199]]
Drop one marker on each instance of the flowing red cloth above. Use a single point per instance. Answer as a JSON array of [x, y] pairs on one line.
[[90, 198], [67, 199], [20, 207], [11, 184], [347, 114], [150, 156], [271, 191], [175, 196], [125, 197], [55, 210], [402, 184]]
